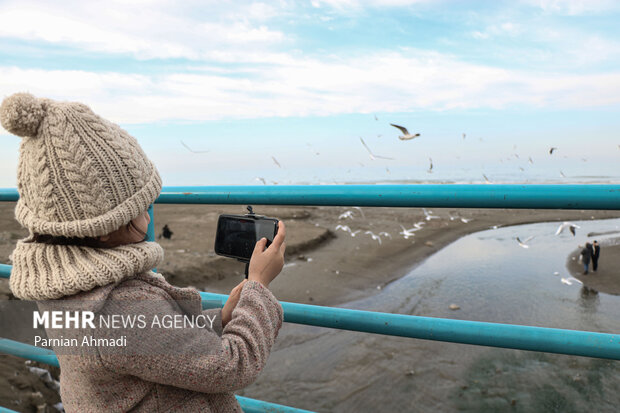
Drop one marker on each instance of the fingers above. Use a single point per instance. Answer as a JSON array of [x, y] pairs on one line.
[[238, 287], [280, 236], [260, 246]]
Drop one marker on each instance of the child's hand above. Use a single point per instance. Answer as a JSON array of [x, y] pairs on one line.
[[231, 303], [266, 264]]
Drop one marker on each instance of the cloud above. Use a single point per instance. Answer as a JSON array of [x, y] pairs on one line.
[[403, 81], [574, 7], [146, 32]]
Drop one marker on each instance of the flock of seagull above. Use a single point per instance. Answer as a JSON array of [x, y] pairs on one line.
[[405, 136], [564, 225], [405, 232]]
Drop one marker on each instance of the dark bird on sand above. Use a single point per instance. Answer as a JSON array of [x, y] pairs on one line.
[[165, 232]]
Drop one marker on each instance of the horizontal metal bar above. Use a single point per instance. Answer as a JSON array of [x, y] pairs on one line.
[[42, 355], [29, 352], [550, 340], [448, 196]]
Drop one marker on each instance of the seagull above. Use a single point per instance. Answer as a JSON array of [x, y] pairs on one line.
[[385, 234], [522, 243], [428, 215], [464, 135], [406, 233], [571, 227], [486, 180], [346, 214], [191, 150], [276, 162], [372, 155], [562, 174], [312, 149], [569, 281], [430, 168], [361, 212], [344, 228], [465, 220], [376, 118], [529, 159], [262, 180], [553, 148], [406, 135], [373, 236]]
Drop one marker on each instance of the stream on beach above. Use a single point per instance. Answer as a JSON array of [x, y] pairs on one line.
[[492, 279]]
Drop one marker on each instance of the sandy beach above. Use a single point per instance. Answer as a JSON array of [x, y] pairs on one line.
[[324, 265]]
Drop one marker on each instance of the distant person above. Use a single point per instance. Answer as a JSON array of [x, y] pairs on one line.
[[586, 255], [166, 232], [596, 252]]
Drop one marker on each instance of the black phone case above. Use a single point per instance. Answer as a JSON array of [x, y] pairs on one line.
[[255, 218]]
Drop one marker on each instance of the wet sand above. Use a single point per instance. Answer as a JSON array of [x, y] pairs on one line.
[[324, 266], [607, 277]]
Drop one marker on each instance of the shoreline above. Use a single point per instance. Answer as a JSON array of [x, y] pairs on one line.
[[606, 279]]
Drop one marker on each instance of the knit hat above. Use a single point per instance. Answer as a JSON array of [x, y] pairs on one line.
[[78, 175]]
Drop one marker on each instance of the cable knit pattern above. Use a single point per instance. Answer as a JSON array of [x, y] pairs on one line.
[[46, 272], [198, 374], [79, 175]]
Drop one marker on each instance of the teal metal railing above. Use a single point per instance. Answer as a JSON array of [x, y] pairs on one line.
[[572, 342]]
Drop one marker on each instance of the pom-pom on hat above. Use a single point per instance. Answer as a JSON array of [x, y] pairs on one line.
[[78, 174]]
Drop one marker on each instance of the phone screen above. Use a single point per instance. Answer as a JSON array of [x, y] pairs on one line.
[[237, 236]]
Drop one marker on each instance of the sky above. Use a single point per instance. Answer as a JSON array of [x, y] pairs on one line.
[[280, 92]]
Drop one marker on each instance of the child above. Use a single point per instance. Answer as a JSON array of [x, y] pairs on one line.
[[85, 185]]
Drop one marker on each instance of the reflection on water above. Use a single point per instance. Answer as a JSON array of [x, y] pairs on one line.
[[492, 279]]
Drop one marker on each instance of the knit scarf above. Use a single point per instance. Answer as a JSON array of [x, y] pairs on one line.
[[46, 271]]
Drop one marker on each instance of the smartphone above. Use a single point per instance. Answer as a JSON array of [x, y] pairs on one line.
[[236, 235]]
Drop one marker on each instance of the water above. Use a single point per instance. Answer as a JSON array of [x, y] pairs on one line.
[[492, 279]]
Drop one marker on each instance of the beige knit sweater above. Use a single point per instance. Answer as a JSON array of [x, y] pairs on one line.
[[160, 372]]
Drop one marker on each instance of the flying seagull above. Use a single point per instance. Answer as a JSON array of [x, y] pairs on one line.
[[346, 214], [571, 227], [276, 162], [361, 212], [373, 236], [428, 215], [553, 148], [464, 135], [191, 150], [486, 180], [529, 159], [406, 135], [522, 243], [406, 233], [430, 168], [372, 155]]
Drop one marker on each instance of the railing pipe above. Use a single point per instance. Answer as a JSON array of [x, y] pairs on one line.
[[441, 196], [5, 271], [550, 340], [42, 355]]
